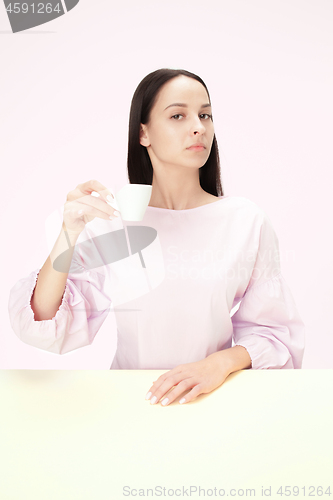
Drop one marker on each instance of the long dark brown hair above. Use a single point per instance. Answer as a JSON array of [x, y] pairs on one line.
[[139, 167]]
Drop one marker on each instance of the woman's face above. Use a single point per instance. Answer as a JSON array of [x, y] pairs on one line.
[[180, 117]]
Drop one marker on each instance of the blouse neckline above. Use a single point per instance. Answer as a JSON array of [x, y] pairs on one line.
[[188, 209]]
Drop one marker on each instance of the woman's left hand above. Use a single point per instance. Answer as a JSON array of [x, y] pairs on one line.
[[201, 377]]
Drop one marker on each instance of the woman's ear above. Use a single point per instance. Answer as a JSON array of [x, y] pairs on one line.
[[144, 140]]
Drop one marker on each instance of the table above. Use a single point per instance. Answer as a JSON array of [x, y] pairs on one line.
[[91, 435]]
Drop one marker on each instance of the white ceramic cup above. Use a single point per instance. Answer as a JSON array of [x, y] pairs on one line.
[[132, 201]]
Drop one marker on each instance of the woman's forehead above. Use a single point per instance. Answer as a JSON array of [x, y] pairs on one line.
[[183, 90]]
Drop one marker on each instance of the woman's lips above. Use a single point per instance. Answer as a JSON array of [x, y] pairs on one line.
[[196, 148]]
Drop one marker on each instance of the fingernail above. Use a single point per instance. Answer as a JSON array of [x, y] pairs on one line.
[[182, 401], [148, 395], [152, 401], [116, 213], [165, 401], [109, 198]]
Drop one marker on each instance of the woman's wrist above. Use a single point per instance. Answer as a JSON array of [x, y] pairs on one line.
[[235, 358]]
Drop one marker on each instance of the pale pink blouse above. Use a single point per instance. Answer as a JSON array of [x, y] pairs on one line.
[[173, 290]]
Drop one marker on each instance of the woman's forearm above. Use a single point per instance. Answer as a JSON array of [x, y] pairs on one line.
[[50, 286]]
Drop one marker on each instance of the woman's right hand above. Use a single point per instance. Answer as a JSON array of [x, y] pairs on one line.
[[81, 208]]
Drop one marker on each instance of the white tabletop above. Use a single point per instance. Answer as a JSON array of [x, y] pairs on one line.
[[92, 435]]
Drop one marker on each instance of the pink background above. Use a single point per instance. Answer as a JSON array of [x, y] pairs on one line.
[[65, 94]]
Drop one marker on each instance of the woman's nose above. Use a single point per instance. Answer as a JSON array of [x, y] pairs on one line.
[[197, 126]]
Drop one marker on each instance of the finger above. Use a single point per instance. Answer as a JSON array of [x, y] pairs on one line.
[[94, 185], [170, 373], [96, 203], [196, 390], [184, 385], [168, 384], [90, 211], [161, 379], [106, 194], [79, 193]]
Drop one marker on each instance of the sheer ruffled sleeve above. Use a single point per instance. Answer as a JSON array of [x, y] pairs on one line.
[[267, 322], [83, 309]]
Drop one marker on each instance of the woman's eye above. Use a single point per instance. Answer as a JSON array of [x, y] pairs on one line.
[[203, 114]]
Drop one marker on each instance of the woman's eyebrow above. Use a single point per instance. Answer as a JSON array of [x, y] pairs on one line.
[[185, 105]]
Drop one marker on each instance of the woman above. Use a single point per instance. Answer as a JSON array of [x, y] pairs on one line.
[[216, 251]]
